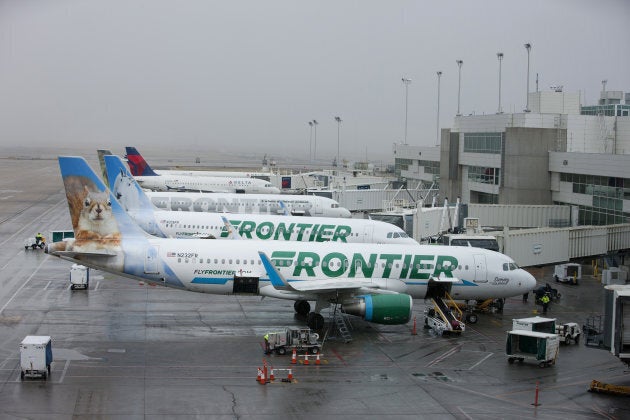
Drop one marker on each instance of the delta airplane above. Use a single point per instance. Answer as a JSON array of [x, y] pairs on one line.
[[138, 167], [177, 224], [375, 282], [176, 182]]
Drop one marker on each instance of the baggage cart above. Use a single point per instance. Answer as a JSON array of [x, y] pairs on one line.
[[531, 345], [36, 356]]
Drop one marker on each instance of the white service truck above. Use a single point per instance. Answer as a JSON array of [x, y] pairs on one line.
[[36, 356]]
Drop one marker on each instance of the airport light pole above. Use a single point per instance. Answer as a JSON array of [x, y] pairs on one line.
[[338, 127], [500, 57], [459, 88], [437, 138], [528, 47], [310, 143], [406, 82], [315, 144]]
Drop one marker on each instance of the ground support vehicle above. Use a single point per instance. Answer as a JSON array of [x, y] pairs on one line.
[[567, 273], [33, 243], [569, 331], [531, 345], [553, 294], [441, 318], [36, 356], [597, 386], [302, 339], [79, 277]]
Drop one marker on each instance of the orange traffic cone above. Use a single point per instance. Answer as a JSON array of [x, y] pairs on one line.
[[317, 362], [306, 358], [290, 377], [272, 376], [259, 375], [294, 356]]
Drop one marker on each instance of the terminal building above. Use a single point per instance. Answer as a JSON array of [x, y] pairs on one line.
[[557, 153]]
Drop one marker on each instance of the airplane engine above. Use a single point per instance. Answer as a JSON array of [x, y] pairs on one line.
[[381, 309]]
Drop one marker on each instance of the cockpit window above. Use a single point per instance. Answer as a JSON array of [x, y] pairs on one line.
[[510, 266], [334, 206], [396, 235], [389, 234]]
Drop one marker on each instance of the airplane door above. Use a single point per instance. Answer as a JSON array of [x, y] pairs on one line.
[[368, 233], [151, 260], [480, 268], [318, 207]]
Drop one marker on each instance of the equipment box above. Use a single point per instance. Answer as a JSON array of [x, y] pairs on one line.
[[36, 356], [535, 323], [79, 277], [540, 347]]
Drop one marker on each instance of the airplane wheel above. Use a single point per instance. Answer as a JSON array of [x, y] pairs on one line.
[[315, 321], [302, 307], [472, 318], [510, 360]]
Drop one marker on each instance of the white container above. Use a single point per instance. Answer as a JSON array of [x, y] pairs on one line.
[[36, 355], [79, 277]]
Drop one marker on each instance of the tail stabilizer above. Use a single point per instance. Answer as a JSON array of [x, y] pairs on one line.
[[284, 208], [277, 279], [94, 211], [124, 186], [101, 162], [137, 164]]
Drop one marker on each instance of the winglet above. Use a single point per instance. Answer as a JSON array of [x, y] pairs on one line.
[[137, 164], [277, 279], [232, 233]]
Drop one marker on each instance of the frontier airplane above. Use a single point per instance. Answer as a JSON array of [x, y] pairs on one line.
[[178, 224], [375, 282]]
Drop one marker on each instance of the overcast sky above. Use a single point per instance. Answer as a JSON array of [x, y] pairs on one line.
[[249, 75]]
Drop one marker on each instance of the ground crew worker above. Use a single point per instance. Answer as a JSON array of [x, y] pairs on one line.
[[545, 303], [38, 238], [267, 349]]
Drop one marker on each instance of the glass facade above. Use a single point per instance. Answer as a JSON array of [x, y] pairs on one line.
[[483, 174], [483, 142], [485, 198], [401, 165], [614, 110], [607, 195]]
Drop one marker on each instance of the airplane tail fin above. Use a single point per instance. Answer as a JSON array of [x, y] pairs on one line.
[[124, 186], [137, 164], [232, 233], [98, 219], [101, 162]]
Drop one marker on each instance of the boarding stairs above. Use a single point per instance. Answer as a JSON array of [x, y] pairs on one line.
[[339, 325], [449, 313]]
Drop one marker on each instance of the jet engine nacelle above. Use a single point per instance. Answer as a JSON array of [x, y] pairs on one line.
[[387, 309]]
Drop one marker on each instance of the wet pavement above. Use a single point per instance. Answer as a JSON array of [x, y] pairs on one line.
[[124, 349]]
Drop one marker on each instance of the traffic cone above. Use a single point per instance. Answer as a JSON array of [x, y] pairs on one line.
[[259, 375], [317, 362], [290, 377], [265, 372], [414, 331], [262, 377], [294, 356], [272, 376], [306, 358]]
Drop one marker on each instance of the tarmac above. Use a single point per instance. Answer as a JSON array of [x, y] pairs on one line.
[[124, 349]]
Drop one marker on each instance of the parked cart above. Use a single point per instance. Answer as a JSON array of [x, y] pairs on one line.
[[79, 277], [531, 345], [36, 356], [569, 332]]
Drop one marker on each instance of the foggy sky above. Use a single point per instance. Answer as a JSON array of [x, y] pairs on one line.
[[247, 76]]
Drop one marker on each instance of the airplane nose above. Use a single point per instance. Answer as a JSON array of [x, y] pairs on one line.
[[528, 282], [344, 212]]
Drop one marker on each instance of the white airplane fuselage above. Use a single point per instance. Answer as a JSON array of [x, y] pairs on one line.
[[309, 205], [206, 184]]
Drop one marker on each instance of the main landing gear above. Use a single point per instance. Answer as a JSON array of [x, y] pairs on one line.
[[314, 320]]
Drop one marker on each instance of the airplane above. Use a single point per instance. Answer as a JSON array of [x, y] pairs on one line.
[[177, 224], [176, 182], [375, 282], [139, 167]]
